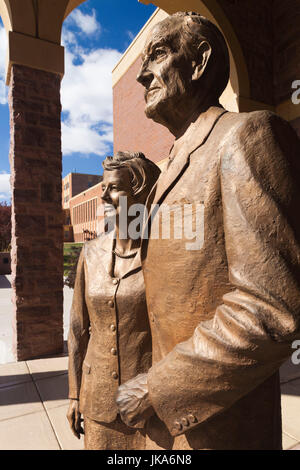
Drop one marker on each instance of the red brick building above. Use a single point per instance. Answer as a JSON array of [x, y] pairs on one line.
[[86, 214], [81, 198], [75, 183]]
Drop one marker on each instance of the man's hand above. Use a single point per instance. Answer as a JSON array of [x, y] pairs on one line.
[[133, 402], [74, 418]]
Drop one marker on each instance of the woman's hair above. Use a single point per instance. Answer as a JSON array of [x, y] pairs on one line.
[[144, 172]]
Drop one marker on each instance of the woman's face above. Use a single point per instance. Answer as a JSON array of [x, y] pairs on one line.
[[116, 184]]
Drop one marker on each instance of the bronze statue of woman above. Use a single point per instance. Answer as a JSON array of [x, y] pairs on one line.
[[109, 339]]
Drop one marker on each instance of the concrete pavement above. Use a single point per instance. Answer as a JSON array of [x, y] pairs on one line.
[[34, 403]]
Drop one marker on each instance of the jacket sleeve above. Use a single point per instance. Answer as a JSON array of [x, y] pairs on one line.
[[251, 332], [79, 331]]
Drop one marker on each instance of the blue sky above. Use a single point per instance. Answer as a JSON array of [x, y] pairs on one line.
[[95, 36]]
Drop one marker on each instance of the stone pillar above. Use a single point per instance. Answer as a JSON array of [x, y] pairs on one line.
[[37, 235]]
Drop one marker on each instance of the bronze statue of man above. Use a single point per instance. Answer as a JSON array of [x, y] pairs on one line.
[[224, 316]]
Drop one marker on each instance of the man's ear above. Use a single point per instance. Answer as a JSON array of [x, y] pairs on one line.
[[204, 53]]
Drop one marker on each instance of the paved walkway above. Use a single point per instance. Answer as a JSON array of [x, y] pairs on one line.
[[33, 396], [33, 399]]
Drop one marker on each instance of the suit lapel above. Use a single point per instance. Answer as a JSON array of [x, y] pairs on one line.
[[106, 254], [194, 137]]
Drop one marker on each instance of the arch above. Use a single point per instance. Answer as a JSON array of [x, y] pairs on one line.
[[72, 5], [37, 18], [239, 85], [19, 17], [34, 32], [240, 76]]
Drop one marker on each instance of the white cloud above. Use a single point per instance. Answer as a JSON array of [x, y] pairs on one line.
[[87, 23], [68, 38], [3, 49], [130, 35], [87, 87], [79, 137], [87, 97], [5, 191]]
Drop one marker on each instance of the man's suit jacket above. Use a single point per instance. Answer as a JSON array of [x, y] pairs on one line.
[[224, 316]]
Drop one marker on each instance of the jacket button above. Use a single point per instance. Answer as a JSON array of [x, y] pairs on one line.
[[192, 418], [178, 425], [115, 281], [110, 303], [112, 327], [113, 351], [185, 422], [114, 375]]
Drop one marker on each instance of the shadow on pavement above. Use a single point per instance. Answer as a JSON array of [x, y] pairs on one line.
[[44, 387], [4, 282]]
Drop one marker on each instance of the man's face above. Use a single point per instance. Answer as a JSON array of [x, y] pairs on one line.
[[165, 74]]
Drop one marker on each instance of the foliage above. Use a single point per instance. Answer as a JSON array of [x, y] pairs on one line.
[[71, 256], [5, 226]]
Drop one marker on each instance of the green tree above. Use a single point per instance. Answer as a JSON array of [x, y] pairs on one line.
[[5, 226]]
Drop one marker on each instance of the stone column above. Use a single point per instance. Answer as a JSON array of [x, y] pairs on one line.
[[37, 236]]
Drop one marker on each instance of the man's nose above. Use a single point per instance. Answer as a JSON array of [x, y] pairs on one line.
[[145, 76], [105, 196]]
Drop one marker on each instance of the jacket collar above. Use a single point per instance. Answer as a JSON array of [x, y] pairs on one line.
[[107, 246], [195, 136]]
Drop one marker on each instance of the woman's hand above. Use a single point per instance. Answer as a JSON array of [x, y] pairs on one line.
[[74, 418], [133, 402]]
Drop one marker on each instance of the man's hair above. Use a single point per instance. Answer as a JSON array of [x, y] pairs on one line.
[[144, 172], [194, 29]]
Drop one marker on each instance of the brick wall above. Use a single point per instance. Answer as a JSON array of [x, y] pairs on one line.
[[252, 21], [5, 263], [132, 130], [81, 182], [269, 34], [286, 47]]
